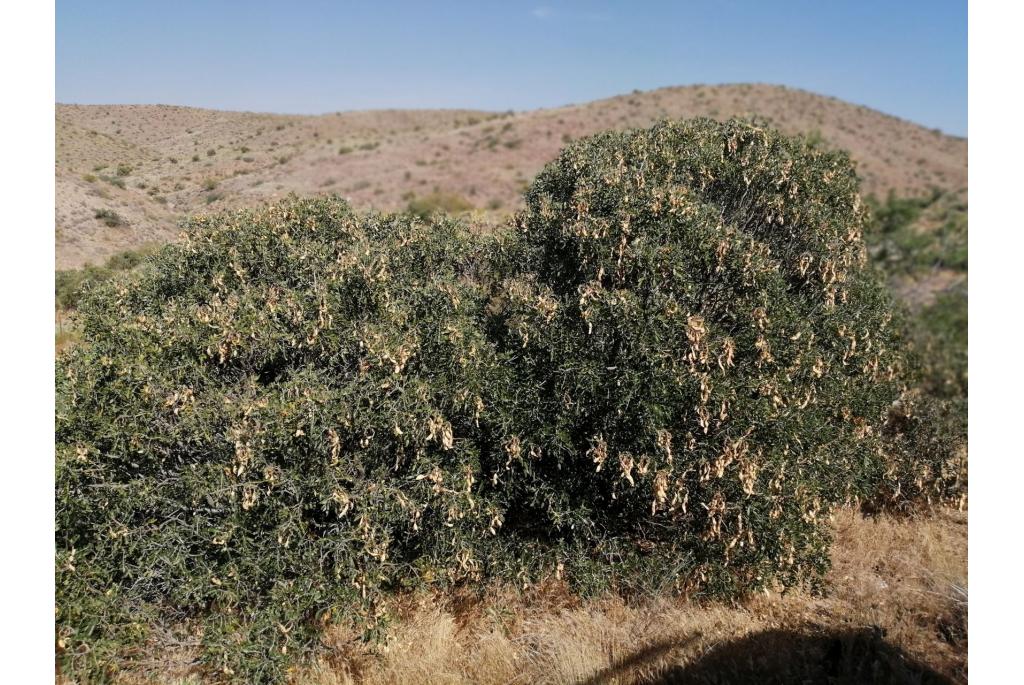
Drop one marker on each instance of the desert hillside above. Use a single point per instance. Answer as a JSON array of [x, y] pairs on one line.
[[126, 173]]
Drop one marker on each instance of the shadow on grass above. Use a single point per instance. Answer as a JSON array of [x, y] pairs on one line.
[[776, 657]]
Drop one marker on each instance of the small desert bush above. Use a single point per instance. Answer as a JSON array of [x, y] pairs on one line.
[[438, 202], [109, 217], [942, 343], [929, 437], [662, 379], [928, 430], [910, 238]]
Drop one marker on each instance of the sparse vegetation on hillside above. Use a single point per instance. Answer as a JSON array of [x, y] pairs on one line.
[[914, 234], [109, 217], [463, 149]]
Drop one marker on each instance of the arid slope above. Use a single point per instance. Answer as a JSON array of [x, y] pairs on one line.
[[176, 161]]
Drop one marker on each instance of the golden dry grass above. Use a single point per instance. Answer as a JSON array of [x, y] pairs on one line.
[[899, 576], [895, 611]]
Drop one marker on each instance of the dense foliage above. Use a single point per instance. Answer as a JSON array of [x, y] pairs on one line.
[[661, 378], [705, 359], [920, 246], [269, 423]]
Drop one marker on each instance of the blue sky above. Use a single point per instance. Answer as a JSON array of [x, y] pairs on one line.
[[906, 58]]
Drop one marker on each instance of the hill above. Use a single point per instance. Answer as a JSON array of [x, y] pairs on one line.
[[125, 174]]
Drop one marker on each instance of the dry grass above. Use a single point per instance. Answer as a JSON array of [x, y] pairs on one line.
[[896, 578], [895, 611]]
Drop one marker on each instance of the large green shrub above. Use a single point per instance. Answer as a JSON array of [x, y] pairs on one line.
[[267, 427], [662, 378], [704, 361]]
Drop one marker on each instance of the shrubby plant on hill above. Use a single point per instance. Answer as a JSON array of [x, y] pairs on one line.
[[661, 379], [709, 359], [270, 424]]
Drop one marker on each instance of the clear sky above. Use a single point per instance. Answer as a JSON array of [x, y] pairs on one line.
[[903, 57]]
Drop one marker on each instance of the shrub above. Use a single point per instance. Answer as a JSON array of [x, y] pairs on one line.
[[109, 217], [437, 202], [909, 238], [269, 427], [928, 430], [929, 435], [127, 260], [703, 360], [68, 284], [911, 235], [124, 169], [661, 380], [941, 339]]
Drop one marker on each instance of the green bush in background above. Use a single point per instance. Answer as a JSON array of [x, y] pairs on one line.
[[910, 235], [69, 284], [920, 245], [438, 202]]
